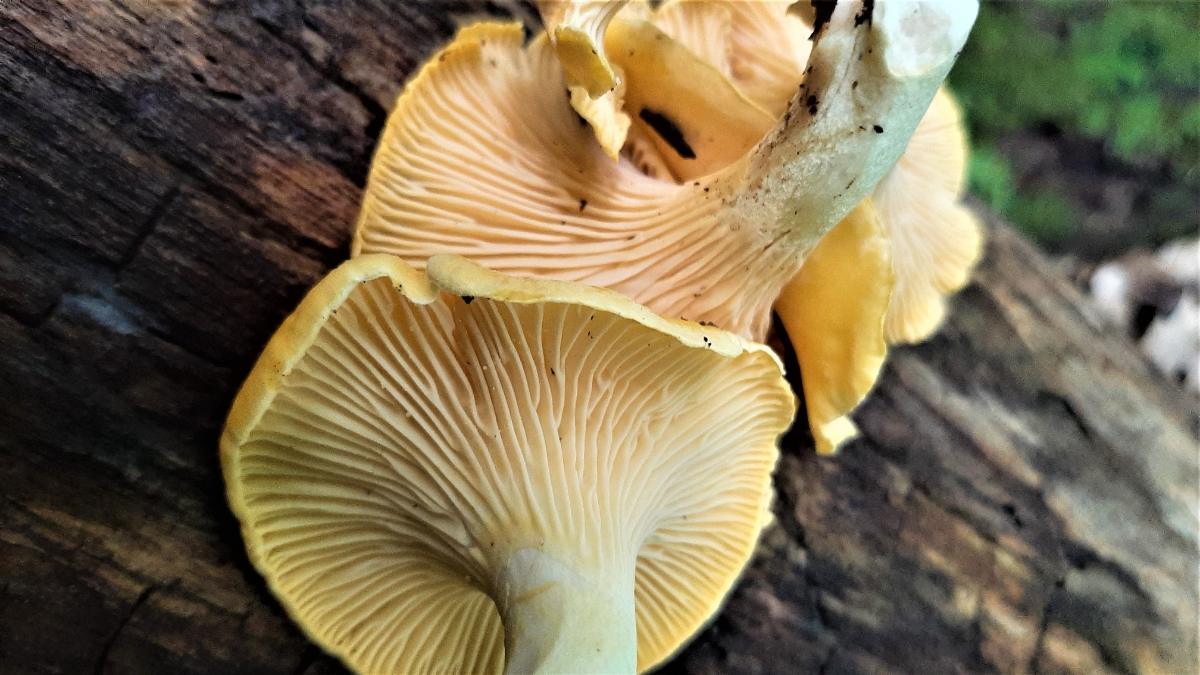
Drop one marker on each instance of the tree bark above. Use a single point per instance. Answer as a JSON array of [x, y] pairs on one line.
[[173, 177]]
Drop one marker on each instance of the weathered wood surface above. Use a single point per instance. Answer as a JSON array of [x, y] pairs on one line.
[[174, 174]]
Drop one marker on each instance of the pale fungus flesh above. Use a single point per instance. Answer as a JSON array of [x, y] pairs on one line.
[[461, 471]]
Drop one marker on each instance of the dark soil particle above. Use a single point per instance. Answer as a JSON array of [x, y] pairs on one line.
[[669, 131]]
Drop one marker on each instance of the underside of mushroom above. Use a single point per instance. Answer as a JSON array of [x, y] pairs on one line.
[[484, 157], [460, 471]]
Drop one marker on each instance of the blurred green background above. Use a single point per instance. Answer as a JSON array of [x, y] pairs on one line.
[[1085, 120]]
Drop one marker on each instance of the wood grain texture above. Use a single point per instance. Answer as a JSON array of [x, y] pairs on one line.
[[174, 175]]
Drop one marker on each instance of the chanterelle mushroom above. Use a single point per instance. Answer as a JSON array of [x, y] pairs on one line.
[[460, 471], [762, 48], [925, 242], [484, 157], [701, 223]]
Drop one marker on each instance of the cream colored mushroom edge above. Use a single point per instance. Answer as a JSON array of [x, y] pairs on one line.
[[744, 145], [460, 471]]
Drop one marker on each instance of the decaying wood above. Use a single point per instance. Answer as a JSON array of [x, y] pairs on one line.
[[174, 175]]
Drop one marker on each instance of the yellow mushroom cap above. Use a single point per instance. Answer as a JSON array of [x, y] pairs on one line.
[[407, 440], [833, 311], [761, 46], [595, 86], [698, 120], [576, 28], [605, 115]]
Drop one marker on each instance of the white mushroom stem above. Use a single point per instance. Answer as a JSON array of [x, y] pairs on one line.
[[557, 620], [872, 73]]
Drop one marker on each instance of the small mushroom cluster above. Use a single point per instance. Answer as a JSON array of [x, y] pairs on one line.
[[749, 131], [530, 426]]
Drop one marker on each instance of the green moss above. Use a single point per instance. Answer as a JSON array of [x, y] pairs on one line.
[[1045, 216], [990, 178], [1124, 71], [1171, 214], [1123, 74]]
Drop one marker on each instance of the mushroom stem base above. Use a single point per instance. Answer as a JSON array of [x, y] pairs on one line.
[[557, 620]]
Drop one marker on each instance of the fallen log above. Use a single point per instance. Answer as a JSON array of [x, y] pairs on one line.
[[174, 175]]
